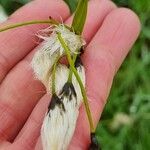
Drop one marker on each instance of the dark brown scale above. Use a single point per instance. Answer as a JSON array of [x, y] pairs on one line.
[[81, 50], [94, 143], [68, 90], [55, 101], [78, 62]]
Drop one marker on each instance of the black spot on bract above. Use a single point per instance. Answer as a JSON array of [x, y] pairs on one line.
[[78, 62], [55, 101], [68, 90], [94, 143], [81, 50]]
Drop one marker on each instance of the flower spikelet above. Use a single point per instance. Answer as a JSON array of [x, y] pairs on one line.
[[60, 121], [50, 48]]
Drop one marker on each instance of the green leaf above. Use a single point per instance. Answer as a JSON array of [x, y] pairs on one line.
[[80, 16], [72, 4]]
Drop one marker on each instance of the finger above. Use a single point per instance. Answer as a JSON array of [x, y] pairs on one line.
[[16, 88], [31, 130], [101, 8], [103, 56], [4, 144], [17, 43], [27, 142]]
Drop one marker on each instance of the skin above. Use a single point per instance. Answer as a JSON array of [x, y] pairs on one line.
[[110, 33]]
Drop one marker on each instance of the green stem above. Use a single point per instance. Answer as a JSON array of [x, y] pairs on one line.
[[92, 129], [70, 71], [53, 75], [13, 26], [27, 23], [70, 76]]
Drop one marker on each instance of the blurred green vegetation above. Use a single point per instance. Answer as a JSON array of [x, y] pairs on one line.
[[11, 5], [125, 122]]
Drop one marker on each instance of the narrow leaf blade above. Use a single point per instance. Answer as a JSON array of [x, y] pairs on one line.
[[80, 16], [72, 4]]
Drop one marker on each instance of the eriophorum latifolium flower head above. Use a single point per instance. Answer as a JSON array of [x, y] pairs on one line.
[[60, 120], [50, 48], [65, 84], [52, 45]]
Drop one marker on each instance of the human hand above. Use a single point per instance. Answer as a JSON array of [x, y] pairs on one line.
[[109, 31]]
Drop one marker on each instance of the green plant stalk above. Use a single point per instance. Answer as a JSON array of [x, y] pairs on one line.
[[79, 21], [89, 115], [70, 71], [80, 16], [25, 24], [13, 26], [53, 75]]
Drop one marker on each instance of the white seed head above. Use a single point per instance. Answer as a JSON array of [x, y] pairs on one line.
[[81, 72], [51, 47], [62, 73], [60, 121], [42, 63], [59, 124]]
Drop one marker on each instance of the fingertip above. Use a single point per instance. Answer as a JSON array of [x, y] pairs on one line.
[[131, 17], [111, 3], [42, 9], [118, 33], [121, 23], [94, 20]]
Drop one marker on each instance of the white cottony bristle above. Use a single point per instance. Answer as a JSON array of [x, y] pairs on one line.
[[59, 125], [62, 73], [42, 63], [60, 121], [50, 48], [81, 72], [52, 44], [62, 78]]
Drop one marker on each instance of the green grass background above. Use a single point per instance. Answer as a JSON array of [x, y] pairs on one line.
[[125, 122]]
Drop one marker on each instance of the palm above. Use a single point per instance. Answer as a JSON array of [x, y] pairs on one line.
[[109, 32]]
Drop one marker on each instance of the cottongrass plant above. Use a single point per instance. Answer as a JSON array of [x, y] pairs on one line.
[[60, 120], [50, 49], [64, 82]]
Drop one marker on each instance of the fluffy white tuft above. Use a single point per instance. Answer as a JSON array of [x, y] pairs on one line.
[[42, 63], [58, 126], [52, 44], [50, 48]]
